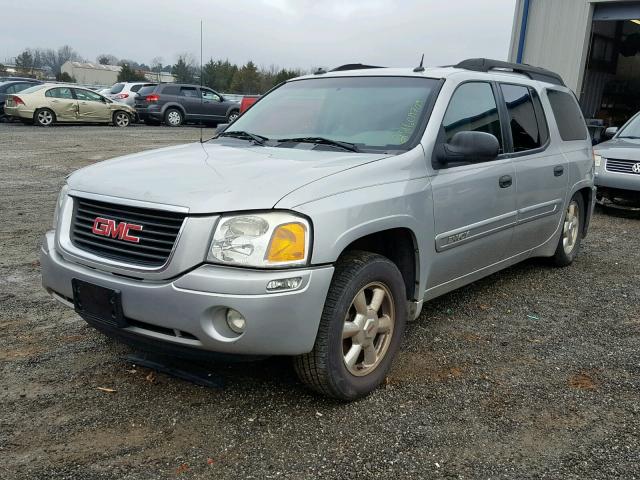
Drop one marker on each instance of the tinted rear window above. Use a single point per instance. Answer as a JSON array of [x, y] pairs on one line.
[[146, 90], [117, 88], [135, 88], [566, 111], [35, 88]]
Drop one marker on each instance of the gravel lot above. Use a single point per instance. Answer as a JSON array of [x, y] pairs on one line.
[[531, 373]]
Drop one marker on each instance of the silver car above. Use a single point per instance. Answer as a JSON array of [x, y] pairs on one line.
[[317, 224], [126, 92], [617, 164]]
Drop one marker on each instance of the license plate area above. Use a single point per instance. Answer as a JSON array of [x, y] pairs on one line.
[[101, 304]]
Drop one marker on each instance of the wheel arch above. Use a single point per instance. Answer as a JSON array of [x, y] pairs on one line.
[[175, 105], [398, 244]]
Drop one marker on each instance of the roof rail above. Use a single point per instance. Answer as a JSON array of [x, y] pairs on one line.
[[534, 73], [353, 66]]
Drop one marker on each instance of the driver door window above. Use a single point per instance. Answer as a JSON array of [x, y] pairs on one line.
[[208, 95], [473, 108]]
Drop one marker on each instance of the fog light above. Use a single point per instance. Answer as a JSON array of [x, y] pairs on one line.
[[235, 320], [284, 284]]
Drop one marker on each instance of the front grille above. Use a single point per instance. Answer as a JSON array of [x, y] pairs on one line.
[[158, 235], [621, 166]]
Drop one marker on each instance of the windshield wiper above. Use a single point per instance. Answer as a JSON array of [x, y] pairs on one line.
[[323, 141], [259, 139], [629, 136]]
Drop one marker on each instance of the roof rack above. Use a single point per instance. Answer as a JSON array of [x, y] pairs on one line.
[[353, 66], [534, 73]]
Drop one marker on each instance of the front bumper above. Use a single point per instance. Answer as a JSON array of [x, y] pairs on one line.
[[189, 310], [618, 181]]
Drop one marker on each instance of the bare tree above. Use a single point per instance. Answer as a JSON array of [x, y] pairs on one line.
[[107, 59]]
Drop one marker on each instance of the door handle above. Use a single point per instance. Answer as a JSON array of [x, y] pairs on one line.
[[505, 181], [558, 170]]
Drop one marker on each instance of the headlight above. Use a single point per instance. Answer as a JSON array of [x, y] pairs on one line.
[[597, 160], [273, 239], [61, 196]]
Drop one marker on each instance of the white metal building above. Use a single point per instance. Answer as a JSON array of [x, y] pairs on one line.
[[92, 73], [593, 44]]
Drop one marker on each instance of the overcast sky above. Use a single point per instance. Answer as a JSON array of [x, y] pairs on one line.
[[288, 33]]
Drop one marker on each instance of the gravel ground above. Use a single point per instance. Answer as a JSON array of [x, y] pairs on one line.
[[530, 373]]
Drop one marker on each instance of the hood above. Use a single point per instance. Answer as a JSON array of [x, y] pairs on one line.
[[622, 148], [212, 178]]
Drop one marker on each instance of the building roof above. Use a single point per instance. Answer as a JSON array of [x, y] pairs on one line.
[[96, 66]]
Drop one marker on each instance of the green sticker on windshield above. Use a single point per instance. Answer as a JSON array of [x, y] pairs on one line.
[[409, 125]]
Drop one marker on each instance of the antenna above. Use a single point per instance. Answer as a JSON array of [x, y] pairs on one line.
[[420, 68], [201, 77]]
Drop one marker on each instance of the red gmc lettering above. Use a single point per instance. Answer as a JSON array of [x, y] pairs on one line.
[[107, 227]]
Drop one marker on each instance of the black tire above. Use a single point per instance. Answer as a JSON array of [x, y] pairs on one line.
[[233, 115], [44, 117], [565, 256], [173, 117], [324, 369], [118, 119]]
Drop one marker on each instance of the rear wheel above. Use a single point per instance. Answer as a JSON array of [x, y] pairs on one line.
[[121, 119], [173, 117], [360, 331], [569, 242], [44, 117]]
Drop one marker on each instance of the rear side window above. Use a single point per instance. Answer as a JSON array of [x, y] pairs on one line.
[[525, 127], [117, 88], [170, 90], [472, 107], [566, 111], [188, 92], [60, 92]]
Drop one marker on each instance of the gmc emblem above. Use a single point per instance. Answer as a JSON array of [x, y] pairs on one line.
[[105, 227]]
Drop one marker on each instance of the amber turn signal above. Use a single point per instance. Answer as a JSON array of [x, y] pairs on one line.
[[288, 243]]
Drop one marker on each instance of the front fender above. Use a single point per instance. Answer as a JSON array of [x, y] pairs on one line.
[[341, 219]]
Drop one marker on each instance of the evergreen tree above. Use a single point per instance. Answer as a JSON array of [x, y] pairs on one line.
[[127, 74]]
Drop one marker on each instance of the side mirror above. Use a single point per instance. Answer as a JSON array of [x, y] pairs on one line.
[[610, 132], [469, 147], [222, 127]]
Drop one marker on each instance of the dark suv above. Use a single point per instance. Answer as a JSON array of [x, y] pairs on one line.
[[175, 104]]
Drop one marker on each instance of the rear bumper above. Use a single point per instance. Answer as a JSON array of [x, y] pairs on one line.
[[189, 311], [146, 113], [18, 112]]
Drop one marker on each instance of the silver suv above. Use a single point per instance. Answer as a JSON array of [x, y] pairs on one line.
[[319, 222]]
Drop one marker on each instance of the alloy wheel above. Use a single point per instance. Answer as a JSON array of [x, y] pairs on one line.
[[122, 119], [45, 117], [571, 227], [174, 118], [368, 329]]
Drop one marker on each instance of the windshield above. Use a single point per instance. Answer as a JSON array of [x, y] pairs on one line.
[[370, 112], [631, 129]]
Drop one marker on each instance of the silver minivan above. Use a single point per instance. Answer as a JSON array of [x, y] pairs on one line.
[[317, 224]]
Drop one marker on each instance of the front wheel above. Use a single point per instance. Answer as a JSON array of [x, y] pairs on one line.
[[232, 116], [569, 242], [121, 119], [361, 328]]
